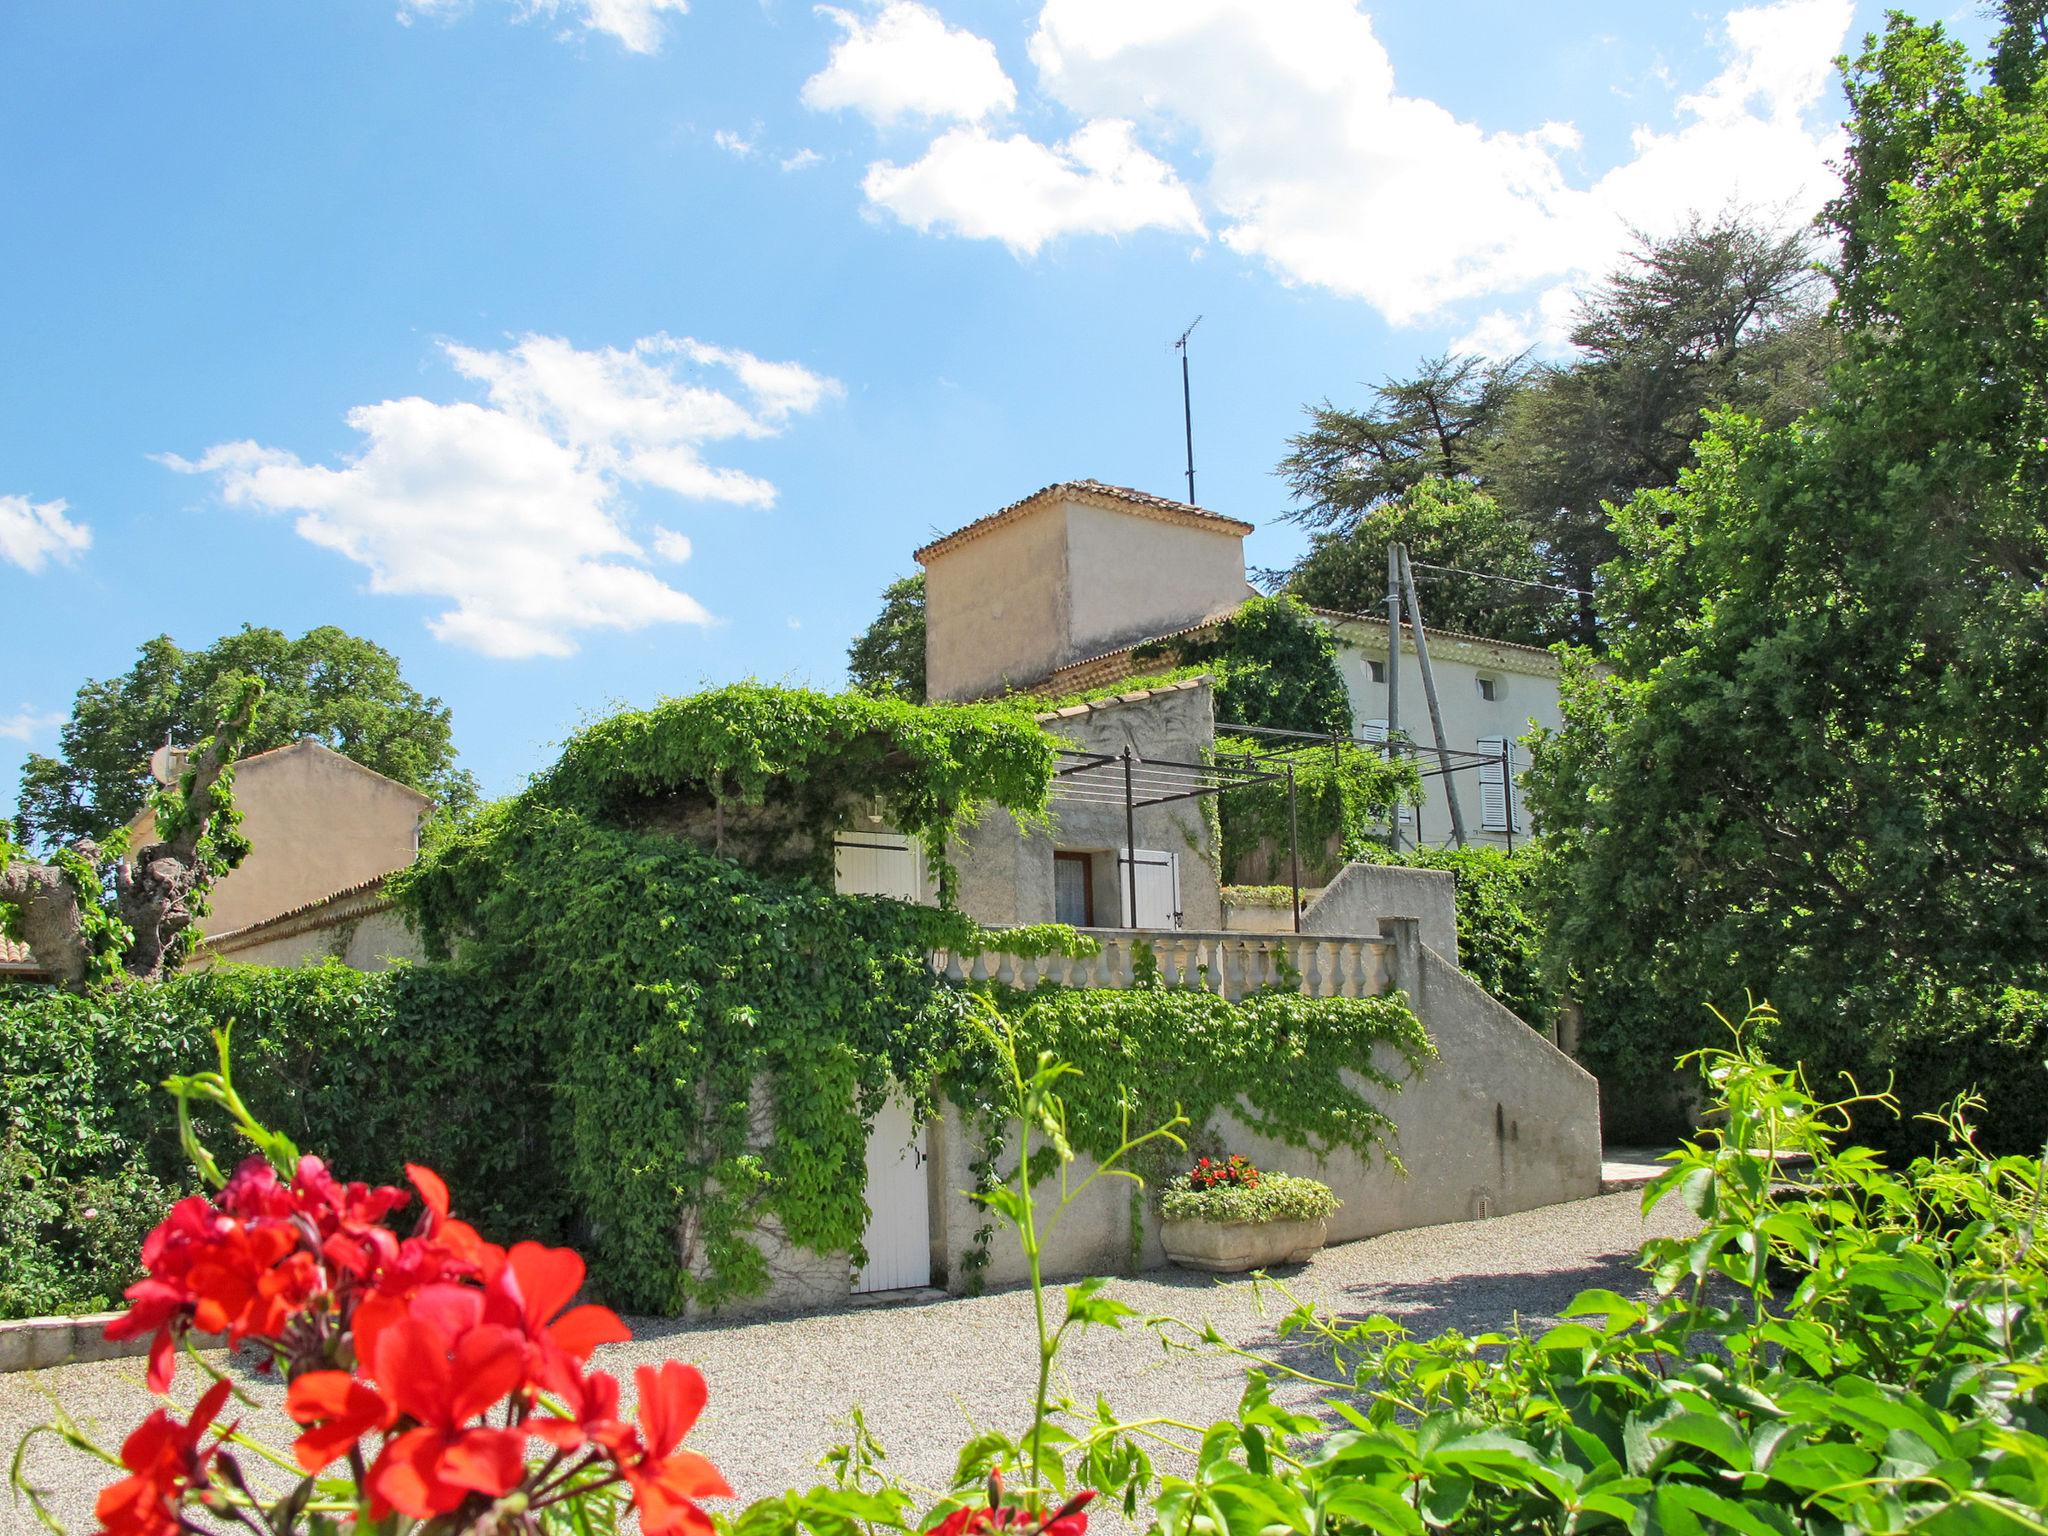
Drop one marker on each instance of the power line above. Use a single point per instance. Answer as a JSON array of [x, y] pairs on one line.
[[1513, 581]]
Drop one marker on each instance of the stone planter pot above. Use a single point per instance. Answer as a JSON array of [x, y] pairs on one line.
[[1232, 1247]]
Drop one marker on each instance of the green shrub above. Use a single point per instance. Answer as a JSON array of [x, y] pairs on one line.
[[1276, 1197], [373, 1070]]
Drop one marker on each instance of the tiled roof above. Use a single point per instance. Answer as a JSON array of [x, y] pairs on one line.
[[16, 956], [1133, 697], [304, 909], [1120, 496]]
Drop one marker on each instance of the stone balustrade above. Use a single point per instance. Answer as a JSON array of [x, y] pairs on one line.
[[1230, 963]]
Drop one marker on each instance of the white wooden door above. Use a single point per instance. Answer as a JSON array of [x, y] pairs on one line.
[[878, 864], [899, 1234], [1158, 888]]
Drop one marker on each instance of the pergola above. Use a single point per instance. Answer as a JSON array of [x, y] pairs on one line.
[[1125, 779]]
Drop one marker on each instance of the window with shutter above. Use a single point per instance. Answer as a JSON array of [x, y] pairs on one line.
[[1496, 783]]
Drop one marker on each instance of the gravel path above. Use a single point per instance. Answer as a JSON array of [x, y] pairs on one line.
[[925, 1373]]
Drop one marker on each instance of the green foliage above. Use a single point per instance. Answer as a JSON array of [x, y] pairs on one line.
[[343, 691], [806, 763], [1258, 895], [1721, 313], [888, 656], [1276, 1197], [1293, 1069], [1500, 921], [1814, 771], [104, 935], [1443, 522], [415, 1063], [1275, 665], [1864, 1351], [1344, 800]]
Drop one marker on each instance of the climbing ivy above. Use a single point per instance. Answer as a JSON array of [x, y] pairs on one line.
[[1275, 664], [1344, 799], [658, 910]]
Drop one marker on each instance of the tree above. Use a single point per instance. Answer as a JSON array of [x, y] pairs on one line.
[[1448, 523], [888, 656], [1726, 313], [1434, 426], [1812, 771], [341, 690], [61, 907]]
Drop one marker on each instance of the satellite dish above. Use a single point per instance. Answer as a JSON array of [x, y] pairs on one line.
[[165, 763]]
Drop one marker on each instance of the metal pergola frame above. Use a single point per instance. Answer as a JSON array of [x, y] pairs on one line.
[[1137, 782], [1459, 759]]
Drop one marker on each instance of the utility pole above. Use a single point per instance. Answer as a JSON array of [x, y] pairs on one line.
[[1436, 714], [1187, 402], [1394, 672]]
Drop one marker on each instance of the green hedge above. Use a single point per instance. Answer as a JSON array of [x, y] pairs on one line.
[[369, 1070]]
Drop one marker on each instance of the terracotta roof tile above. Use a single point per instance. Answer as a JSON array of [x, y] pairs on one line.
[[16, 956], [1161, 507]]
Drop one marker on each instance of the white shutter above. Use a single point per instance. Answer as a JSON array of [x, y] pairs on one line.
[[1496, 787], [878, 864], [1158, 888]]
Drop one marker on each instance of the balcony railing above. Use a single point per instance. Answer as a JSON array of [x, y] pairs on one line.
[[1232, 964]]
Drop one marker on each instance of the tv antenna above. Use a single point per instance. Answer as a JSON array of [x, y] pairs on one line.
[[1187, 408]]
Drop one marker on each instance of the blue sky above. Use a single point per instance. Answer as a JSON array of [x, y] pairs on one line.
[[582, 351]]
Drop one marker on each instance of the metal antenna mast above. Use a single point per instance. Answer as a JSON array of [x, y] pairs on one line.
[[1187, 408]]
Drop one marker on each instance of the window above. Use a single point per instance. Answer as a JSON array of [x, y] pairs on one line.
[[1073, 890], [1489, 688], [1376, 670], [1497, 784]]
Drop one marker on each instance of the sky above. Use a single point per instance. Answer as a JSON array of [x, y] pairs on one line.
[[582, 352]]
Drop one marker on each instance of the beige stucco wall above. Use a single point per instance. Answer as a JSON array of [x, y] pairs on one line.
[[1065, 580], [1006, 873], [996, 607], [1501, 1121], [1527, 685], [317, 823], [367, 941], [1135, 577]]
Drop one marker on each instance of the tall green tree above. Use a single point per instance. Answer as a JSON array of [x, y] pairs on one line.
[[1434, 426], [888, 656], [343, 691], [1453, 527], [1814, 770], [1726, 313]]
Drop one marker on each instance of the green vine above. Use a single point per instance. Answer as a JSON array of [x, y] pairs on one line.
[[1344, 798]]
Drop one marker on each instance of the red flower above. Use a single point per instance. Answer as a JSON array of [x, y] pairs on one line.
[[667, 1481], [531, 1287], [1070, 1519], [443, 1377], [224, 1272], [163, 1458], [341, 1410], [593, 1409]]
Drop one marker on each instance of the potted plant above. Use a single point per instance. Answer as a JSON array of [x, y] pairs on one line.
[[1226, 1216]]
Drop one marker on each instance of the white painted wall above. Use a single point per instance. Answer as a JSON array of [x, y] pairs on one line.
[[1525, 685]]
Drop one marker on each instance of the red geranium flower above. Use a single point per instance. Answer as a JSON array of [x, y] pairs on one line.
[[163, 1458], [592, 1402], [532, 1286], [341, 1410], [442, 1378], [1070, 1519], [667, 1481]]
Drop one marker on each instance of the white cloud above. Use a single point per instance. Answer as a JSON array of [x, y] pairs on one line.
[[1305, 154], [906, 62], [637, 24], [26, 724], [802, 160], [1024, 193], [512, 510], [732, 143], [33, 533]]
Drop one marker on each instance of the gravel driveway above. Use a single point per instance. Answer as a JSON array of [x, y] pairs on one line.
[[926, 1372]]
